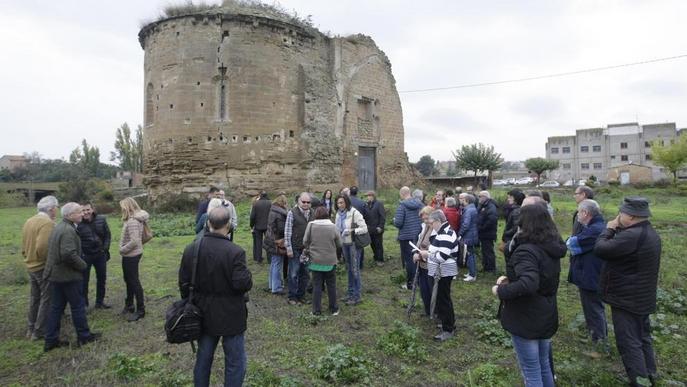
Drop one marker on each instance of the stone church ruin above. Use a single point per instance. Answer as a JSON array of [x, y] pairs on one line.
[[246, 99]]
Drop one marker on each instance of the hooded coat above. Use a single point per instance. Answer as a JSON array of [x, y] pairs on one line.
[[529, 307], [407, 219], [585, 266]]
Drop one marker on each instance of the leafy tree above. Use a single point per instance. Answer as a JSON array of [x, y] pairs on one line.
[[478, 158], [672, 156], [540, 165], [88, 158], [426, 165], [128, 152]]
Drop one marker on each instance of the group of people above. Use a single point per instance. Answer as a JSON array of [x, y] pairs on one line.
[[59, 256], [614, 263]]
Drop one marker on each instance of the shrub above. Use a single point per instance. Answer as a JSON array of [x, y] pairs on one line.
[[343, 365], [12, 199], [614, 183], [403, 341], [175, 203]]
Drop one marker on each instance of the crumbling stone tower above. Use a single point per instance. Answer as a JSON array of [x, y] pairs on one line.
[[250, 101]]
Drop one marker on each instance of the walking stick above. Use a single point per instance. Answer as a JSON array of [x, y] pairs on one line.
[[411, 304], [435, 289]]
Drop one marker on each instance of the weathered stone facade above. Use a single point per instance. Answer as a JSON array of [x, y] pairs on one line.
[[247, 102]]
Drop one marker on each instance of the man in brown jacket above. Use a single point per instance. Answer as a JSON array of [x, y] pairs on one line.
[[64, 269], [35, 235]]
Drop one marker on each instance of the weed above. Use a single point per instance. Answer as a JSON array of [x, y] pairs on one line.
[[397, 279], [403, 341], [127, 367], [311, 319], [343, 365], [261, 375], [673, 301], [489, 329], [489, 375], [174, 379]]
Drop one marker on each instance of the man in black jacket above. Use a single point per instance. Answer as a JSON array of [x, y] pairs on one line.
[[95, 245], [221, 283], [486, 229], [375, 219], [631, 249], [258, 223]]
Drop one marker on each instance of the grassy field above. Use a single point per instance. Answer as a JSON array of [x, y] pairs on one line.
[[370, 344]]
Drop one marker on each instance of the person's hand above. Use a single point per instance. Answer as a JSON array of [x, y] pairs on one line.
[[379, 230], [495, 290], [502, 280], [346, 232], [613, 223], [424, 254], [288, 254], [416, 257]]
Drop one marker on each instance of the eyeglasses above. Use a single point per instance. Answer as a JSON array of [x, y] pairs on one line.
[[305, 202]]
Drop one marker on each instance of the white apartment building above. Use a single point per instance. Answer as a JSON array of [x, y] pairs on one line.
[[593, 151]]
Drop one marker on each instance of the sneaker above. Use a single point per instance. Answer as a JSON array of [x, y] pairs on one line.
[[404, 287], [443, 336], [335, 313], [469, 278], [466, 275], [103, 306], [293, 302], [93, 337], [316, 313], [59, 343], [380, 263]]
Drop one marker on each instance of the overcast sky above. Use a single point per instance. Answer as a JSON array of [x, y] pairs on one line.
[[74, 69]]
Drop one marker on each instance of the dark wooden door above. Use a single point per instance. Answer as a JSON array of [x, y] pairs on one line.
[[367, 166]]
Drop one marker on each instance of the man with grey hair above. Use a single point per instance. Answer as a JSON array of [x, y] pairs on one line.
[[407, 221], [585, 272], [487, 223], [64, 269], [222, 281], [294, 230], [35, 235]]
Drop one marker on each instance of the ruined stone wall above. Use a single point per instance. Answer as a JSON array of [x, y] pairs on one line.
[[249, 103]]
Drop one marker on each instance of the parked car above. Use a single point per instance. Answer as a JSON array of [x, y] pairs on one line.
[[550, 184], [570, 183], [524, 181], [499, 182], [510, 181]]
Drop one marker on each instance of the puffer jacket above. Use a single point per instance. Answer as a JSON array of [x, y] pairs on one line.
[[585, 266], [95, 236], [487, 221], [468, 226], [529, 307], [407, 219], [131, 243], [629, 276]]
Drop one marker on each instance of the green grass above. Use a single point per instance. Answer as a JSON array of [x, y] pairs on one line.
[[285, 345]]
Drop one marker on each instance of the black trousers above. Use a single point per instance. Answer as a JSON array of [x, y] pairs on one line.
[[633, 339], [319, 279], [488, 255], [377, 246], [133, 283], [100, 264], [257, 244], [445, 305]]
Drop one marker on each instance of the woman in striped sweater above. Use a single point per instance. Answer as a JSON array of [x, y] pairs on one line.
[[441, 264]]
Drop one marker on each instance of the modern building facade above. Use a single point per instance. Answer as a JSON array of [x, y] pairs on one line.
[[593, 152]]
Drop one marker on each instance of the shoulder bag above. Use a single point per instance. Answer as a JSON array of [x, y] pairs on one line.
[[184, 320], [361, 240]]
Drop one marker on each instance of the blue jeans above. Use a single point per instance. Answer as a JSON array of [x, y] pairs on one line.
[[533, 358], [234, 360], [298, 277], [63, 293], [472, 264], [351, 255], [275, 282], [407, 257], [100, 264]]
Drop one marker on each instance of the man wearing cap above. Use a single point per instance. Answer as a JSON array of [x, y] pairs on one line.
[[631, 249], [375, 219]]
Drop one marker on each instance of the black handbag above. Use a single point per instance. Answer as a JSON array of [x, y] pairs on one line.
[[184, 320], [361, 240]]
